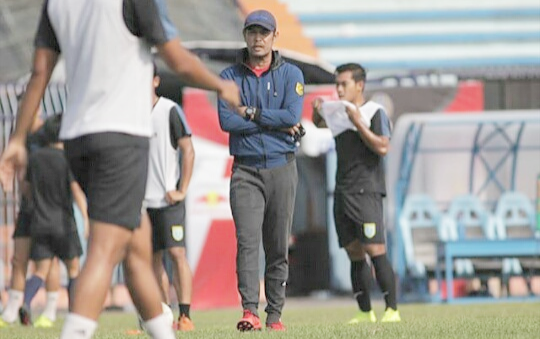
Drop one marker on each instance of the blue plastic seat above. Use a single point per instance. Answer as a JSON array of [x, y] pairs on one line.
[[419, 225], [470, 220], [515, 218]]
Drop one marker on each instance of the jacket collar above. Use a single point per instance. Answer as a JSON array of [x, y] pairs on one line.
[[242, 57]]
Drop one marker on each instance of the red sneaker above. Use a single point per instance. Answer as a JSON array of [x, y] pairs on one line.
[[249, 322], [276, 326]]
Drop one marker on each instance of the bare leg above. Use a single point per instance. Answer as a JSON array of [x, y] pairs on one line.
[[140, 279], [19, 262], [161, 275], [21, 255], [42, 268], [106, 248], [52, 283], [182, 275], [73, 269]]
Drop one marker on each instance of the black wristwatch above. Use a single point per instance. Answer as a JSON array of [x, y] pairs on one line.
[[250, 113]]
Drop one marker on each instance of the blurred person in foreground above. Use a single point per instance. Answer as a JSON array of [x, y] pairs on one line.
[[362, 141], [105, 128], [263, 133], [166, 189]]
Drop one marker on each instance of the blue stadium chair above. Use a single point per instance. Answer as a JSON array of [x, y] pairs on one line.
[[515, 219], [515, 215], [471, 221], [419, 225]]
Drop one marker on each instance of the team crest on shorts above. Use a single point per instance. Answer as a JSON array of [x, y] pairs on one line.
[[370, 229], [177, 232]]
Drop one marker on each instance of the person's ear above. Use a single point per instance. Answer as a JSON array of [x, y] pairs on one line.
[[276, 34], [156, 81], [360, 85]]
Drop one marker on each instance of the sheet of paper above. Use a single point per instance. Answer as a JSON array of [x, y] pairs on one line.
[[337, 120]]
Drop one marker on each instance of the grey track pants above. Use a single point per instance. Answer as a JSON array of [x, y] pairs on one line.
[[262, 204]]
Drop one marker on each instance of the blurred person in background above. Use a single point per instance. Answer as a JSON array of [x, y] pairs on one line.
[[166, 189], [360, 189], [263, 132], [22, 248], [51, 189], [105, 128]]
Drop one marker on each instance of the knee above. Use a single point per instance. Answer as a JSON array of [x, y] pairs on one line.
[[73, 269], [42, 271], [19, 261], [178, 254], [355, 252], [375, 250]]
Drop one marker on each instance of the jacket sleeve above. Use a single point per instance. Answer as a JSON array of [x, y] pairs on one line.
[[229, 120], [291, 112]]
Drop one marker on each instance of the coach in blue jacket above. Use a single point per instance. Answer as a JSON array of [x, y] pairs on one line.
[[262, 139]]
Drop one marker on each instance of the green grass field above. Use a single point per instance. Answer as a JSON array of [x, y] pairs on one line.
[[497, 320]]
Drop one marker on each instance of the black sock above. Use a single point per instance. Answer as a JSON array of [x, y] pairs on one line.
[[386, 279], [184, 309], [361, 282], [71, 285]]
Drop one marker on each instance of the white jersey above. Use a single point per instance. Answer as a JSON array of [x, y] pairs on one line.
[[168, 124], [106, 46]]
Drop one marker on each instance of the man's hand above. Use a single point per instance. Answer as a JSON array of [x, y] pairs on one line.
[[354, 115], [316, 104], [13, 161], [292, 130], [230, 93], [172, 197]]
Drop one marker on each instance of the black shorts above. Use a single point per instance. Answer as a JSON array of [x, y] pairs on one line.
[[23, 221], [168, 226], [111, 169], [22, 225], [62, 246], [359, 216]]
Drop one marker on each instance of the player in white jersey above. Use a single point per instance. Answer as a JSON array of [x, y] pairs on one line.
[[166, 190], [106, 125]]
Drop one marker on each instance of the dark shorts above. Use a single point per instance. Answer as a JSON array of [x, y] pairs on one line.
[[61, 246], [22, 225], [168, 226], [111, 169], [359, 216]]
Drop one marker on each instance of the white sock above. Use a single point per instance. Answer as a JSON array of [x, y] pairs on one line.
[[78, 327], [15, 301], [159, 328], [50, 307]]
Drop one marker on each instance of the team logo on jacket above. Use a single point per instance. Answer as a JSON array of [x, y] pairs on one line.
[[299, 89], [177, 232], [370, 229]]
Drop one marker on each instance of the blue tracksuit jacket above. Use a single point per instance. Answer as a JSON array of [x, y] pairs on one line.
[[279, 94]]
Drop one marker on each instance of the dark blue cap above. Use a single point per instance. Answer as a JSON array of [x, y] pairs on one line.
[[261, 18]]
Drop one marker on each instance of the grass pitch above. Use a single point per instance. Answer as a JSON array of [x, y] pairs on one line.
[[328, 320]]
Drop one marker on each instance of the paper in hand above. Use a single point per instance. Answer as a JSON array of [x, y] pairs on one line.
[[337, 120]]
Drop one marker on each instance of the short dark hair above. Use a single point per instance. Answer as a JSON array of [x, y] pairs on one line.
[[358, 72], [51, 129], [154, 66]]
